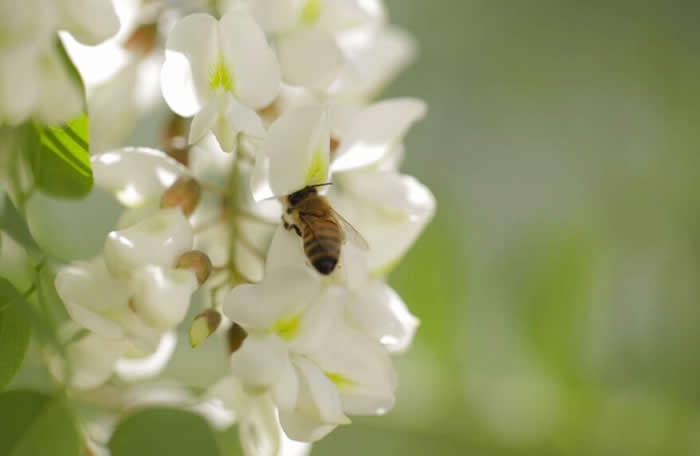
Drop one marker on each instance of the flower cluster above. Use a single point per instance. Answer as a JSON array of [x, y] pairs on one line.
[[278, 95]]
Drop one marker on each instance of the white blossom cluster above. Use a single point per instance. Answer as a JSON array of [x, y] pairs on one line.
[[278, 92]]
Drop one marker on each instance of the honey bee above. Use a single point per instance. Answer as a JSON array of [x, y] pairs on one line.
[[322, 229]]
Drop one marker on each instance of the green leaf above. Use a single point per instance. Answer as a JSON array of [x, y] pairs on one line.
[[14, 332], [36, 424], [163, 431], [12, 223], [60, 157]]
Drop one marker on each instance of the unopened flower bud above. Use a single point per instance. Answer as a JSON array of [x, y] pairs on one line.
[[198, 262], [235, 335], [184, 193], [204, 326]]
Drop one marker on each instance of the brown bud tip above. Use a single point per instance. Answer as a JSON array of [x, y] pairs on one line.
[[143, 39], [204, 326], [236, 335], [198, 262], [184, 193], [174, 139]]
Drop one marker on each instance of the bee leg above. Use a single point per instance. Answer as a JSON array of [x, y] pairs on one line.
[[298, 231], [285, 224]]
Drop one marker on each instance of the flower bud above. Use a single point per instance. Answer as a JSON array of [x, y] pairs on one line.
[[235, 335], [204, 326], [198, 262], [184, 193]]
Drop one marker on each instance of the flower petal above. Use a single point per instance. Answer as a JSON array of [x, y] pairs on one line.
[[135, 174], [360, 368], [390, 210], [92, 359], [256, 74], [161, 296], [309, 57], [88, 291], [17, 101], [318, 407], [286, 251], [158, 240], [274, 16], [204, 121], [61, 98], [191, 55], [90, 21], [298, 145], [372, 63], [379, 311], [258, 430], [286, 390], [261, 360], [316, 321], [279, 298], [15, 264], [375, 131]]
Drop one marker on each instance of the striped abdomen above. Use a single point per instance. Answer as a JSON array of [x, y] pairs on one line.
[[322, 239]]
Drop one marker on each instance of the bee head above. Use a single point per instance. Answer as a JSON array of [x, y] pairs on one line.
[[297, 197]]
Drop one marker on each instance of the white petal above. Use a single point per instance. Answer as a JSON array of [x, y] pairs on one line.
[[375, 130], [372, 63], [278, 299], [309, 57], [302, 428], [316, 321], [286, 251], [161, 296], [286, 390], [260, 180], [390, 211], [88, 291], [318, 407], [274, 16], [318, 396], [143, 367], [61, 97], [158, 240], [261, 360], [361, 370], [92, 359], [90, 21], [380, 312], [191, 55], [258, 430], [17, 100], [135, 174], [297, 145], [353, 269], [204, 121], [245, 120], [255, 72]]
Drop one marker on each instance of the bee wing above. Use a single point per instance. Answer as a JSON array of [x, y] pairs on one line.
[[349, 232]]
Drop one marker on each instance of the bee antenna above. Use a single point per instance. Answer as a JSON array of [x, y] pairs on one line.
[[321, 185]]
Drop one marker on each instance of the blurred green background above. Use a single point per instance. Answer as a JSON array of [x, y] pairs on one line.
[[558, 285]]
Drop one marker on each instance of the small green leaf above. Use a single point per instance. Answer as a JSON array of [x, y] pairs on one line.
[[60, 158], [163, 431], [12, 223], [35, 424], [14, 332]]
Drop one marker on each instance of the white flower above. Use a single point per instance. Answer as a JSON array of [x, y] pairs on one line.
[[308, 34], [219, 71], [15, 264], [293, 319], [389, 209]]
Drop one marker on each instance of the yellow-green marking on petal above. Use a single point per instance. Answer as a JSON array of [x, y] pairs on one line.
[[318, 169], [310, 12], [221, 77], [287, 328], [340, 381]]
